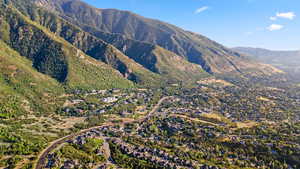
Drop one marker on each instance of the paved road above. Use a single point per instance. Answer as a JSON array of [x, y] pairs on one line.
[[53, 145]]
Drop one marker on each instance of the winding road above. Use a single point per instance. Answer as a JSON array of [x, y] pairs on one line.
[[53, 145]]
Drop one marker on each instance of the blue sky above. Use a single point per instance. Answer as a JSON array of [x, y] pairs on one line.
[[272, 24]]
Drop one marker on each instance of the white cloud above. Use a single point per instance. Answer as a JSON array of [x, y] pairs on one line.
[[275, 27], [202, 9], [273, 18], [287, 15]]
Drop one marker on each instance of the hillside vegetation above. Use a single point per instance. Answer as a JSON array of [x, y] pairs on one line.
[[54, 56], [122, 28]]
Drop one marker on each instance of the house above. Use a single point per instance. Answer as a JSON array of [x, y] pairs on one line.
[[109, 99]]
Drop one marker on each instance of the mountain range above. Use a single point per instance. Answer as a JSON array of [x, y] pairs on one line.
[[52, 46], [288, 61], [125, 30]]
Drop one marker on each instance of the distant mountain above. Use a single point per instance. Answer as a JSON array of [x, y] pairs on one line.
[[285, 60]]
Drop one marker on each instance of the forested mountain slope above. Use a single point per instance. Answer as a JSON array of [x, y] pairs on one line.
[[211, 56], [52, 55], [140, 66]]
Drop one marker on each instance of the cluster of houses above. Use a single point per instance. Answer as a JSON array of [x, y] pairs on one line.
[[67, 164], [52, 162], [107, 100], [152, 155], [156, 156], [239, 103], [80, 140], [80, 103]]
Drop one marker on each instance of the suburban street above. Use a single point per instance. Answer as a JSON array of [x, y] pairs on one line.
[[56, 143]]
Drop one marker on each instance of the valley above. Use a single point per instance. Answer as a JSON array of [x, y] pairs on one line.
[[145, 127], [182, 115]]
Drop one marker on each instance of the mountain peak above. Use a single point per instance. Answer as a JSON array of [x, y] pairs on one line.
[[197, 49]]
